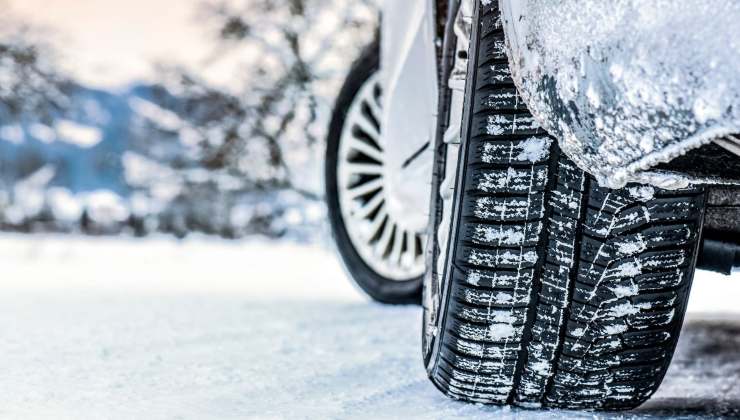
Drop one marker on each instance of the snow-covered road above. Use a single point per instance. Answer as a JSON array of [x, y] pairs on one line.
[[155, 329]]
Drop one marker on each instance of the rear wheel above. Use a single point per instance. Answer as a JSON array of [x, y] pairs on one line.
[[553, 291], [382, 249]]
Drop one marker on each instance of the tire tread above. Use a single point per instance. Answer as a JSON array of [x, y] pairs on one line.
[[563, 293]]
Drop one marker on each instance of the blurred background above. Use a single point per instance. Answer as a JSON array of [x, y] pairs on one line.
[[172, 116], [163, 243]]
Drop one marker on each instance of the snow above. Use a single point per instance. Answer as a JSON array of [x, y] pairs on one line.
[[42, 132], [78, 134], [625, 85], [501, 331], [163, 181], [63, 204], [615, 329], [12, 133], [502, 258], [105, 207], [473, 278], [29, 194], [643, 193], [629, 269], [502, 298], [632, 247], [209, 329], [160, 117], [624, 309], [510, 179], [500, 234], [495, 127], [625, 291], [534, 149]]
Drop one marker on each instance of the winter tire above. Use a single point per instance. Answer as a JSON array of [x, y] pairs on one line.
[[383, 257], [555, 292]]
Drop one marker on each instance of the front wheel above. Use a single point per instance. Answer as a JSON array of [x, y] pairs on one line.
[[554, 292]]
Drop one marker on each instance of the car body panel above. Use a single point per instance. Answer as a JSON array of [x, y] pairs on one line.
[[409, 79], [627, 84]]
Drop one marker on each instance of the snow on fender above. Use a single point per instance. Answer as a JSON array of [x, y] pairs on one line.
[[615, 82]]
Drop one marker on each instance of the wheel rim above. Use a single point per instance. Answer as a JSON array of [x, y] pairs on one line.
[[388, 245]]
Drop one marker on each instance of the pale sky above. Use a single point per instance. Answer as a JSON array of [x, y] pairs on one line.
[[108, 43]]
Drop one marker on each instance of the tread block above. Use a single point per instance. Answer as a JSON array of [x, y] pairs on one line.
[[646, 338], [603, 253], [527, 234], [469, 377], [491, 20], [498, 279], [652, 319], [530, 150], [510, 180], [497, 75], [492, 298], [514, 316], [493, 368], [482, 350], [493, 46], [618, 215], [507, 209], [500, 98], [502, 126], [523, 257]]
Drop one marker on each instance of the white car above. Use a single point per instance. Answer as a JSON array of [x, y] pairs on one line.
[[547, 174]]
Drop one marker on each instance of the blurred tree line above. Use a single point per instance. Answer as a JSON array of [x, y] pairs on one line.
[[231, 158]]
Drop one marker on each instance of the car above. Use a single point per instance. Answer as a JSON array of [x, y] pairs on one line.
[[544, 178]]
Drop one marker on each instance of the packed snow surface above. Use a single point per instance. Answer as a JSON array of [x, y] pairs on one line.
[[206, 329], [627, 84]]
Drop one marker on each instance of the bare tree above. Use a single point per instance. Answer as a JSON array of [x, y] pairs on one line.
[[299, 52], [30, 83]]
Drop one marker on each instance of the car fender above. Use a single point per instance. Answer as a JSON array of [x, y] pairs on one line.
[[625, 85]]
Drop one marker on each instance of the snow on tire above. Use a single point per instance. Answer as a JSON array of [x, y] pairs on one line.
[[557, 292]]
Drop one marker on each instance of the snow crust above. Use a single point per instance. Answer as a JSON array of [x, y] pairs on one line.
[[627, 84], [118, 328]]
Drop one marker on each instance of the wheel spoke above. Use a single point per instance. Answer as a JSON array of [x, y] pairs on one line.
[[365, 188], [419, 256], [371, 229], [366, 149], [382, 245], [397, 246], [364, 210], [364, 169], [368, 128], [411, 241], [375, 108]]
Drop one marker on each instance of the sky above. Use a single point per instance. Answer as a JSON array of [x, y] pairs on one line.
[[109, 43]]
